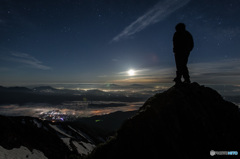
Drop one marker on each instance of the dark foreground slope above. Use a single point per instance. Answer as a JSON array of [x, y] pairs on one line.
[[187, 122], [27, 137]]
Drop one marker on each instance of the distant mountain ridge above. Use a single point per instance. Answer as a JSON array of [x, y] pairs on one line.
[[47, 94], [186, 121], [44, 88], [15, 89]]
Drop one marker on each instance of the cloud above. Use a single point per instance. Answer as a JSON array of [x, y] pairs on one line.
[[137, 72], [147, 75], [160, 11], [218, 72], [28, 60], [115, 60]]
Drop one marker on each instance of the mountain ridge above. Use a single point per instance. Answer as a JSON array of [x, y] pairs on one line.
[[50, 95]]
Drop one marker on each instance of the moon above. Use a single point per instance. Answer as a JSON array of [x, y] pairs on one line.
[[131, 72]]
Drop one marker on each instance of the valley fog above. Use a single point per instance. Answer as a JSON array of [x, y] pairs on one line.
[[68, 110], [63, 102]]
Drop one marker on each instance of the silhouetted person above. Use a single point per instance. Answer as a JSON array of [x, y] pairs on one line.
[[182, 45]]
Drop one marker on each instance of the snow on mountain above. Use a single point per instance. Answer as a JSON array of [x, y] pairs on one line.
[[83, 146], [21, 153]]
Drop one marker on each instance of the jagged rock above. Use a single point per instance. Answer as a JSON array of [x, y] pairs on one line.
[[186, 121]]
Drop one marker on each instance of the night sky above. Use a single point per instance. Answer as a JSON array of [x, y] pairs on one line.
[[99, 41]]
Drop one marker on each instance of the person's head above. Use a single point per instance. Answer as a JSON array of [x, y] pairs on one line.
[[180, 27]]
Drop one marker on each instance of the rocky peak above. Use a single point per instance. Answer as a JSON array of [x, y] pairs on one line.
[[186, 121]]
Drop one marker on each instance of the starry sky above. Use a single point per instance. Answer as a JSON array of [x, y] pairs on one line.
[[99, 41]]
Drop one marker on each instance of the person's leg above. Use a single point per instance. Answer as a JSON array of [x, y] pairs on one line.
[[178, 62], [185, 71]]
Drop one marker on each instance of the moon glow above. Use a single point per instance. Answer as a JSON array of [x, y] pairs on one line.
[[131, 72]]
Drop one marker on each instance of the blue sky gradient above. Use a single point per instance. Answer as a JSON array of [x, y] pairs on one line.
[[98, 41]]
